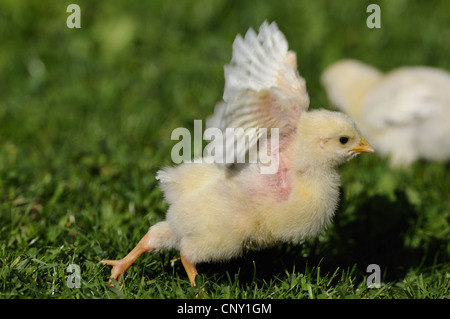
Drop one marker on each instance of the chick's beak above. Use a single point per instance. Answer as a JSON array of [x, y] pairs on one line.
[[363, 147]]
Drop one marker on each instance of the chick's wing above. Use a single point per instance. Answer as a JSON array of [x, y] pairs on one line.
[[262, 86]]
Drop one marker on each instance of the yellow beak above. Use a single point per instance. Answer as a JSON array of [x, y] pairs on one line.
[[363, 147]]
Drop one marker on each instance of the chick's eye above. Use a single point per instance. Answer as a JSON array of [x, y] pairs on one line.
[[343, 139]]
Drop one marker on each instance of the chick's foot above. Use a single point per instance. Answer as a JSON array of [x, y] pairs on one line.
[[120, 266]]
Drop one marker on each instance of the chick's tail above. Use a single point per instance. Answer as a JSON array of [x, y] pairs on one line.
[[186, 179], [164, 176], [167, 178]]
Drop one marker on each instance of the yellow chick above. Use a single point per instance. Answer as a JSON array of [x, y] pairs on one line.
[[404, 112], [217, 212]]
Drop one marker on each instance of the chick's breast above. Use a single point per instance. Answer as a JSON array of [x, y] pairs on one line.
[[305, 213]]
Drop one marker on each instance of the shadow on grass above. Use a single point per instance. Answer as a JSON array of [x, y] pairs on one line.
[[378, 232]]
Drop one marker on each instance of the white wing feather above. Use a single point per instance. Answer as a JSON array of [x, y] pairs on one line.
[[262, 86]]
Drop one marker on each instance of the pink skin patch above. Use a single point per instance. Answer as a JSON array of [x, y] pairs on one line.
[[276, 185], [279, 183]]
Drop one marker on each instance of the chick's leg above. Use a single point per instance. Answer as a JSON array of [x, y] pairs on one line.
[[192, 273], [121, 266], [190, 269]]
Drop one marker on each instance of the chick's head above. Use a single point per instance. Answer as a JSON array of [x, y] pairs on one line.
[[329, 138]]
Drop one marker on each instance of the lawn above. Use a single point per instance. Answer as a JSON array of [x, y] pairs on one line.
[[86, 117]]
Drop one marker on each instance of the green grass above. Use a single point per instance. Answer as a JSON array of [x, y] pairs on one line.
[[85, 122]]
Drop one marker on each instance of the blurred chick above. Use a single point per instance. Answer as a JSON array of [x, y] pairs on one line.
[[405, 113], [218, 212]]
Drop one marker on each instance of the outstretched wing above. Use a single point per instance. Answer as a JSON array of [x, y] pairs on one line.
[[263, 89]]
